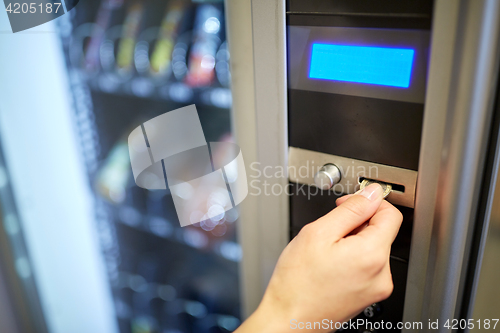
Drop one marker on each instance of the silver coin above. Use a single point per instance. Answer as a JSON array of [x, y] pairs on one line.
[[386, 187]]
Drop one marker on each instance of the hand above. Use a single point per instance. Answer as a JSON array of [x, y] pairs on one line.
[[334, 268]]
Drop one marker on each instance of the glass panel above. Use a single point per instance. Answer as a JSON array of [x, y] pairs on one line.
[[105, 254]]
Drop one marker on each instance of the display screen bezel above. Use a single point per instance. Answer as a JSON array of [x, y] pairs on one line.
[[301, 39]]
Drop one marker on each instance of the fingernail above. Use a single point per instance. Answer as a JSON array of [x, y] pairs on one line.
[[372, 191]]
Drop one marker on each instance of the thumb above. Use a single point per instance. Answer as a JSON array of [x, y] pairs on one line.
[[355, 211]]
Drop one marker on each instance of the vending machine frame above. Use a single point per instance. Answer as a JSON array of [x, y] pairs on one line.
[[458, 156]]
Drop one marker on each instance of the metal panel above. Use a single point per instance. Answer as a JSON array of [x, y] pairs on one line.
[[461, 85], [352, 170], [7, 314], [239, 35], [481, 292], [256, 34]]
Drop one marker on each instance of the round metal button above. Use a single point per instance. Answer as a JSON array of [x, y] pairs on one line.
[[327, 176]]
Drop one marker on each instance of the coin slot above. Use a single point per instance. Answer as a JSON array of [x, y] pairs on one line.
[[395, 187]]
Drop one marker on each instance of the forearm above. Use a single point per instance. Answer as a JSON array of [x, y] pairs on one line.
[[263, 321], [269, 321]]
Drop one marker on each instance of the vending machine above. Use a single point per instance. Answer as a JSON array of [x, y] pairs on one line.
[[319, 95], [403, 93], [83, 248]]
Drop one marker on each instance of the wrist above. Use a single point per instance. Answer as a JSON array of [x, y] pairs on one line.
[[265, 320]]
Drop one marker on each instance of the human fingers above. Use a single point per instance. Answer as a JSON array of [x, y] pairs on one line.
[[384, 225], [342, 199], [352, 213]]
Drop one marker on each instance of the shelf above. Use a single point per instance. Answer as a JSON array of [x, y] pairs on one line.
[[146, 88], [194, 237]]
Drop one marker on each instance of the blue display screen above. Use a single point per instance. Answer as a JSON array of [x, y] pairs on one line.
[[362, 64]]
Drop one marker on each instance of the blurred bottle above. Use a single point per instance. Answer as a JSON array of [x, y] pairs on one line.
[[114, 174], [222, 65], [162, 53], [130, 31], [144, 324], [206, 32], [109, 13]]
